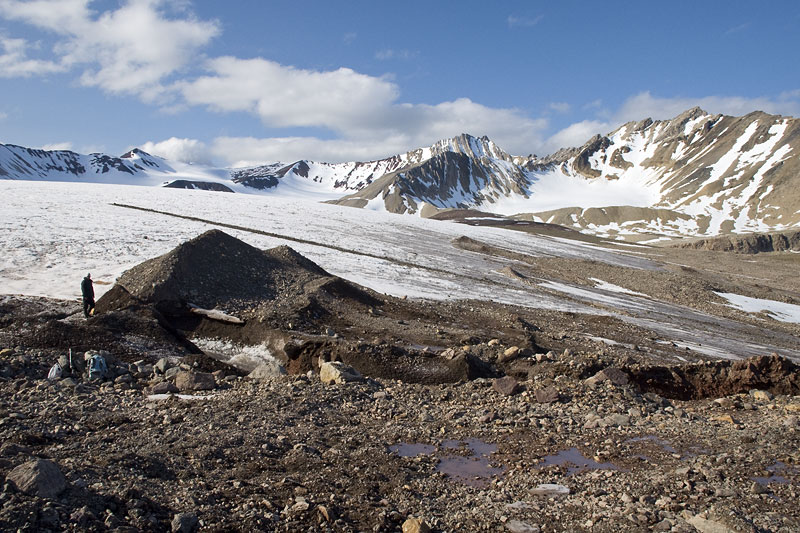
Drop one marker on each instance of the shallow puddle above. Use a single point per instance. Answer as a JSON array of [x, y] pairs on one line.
[[774, 476], [473, 470], [574, 457], [692, 451]]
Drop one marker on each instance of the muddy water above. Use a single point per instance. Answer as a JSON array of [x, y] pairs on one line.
[[576, 459], [473, 469]]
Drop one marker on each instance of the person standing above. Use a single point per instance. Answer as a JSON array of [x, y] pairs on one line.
[[87, 290]]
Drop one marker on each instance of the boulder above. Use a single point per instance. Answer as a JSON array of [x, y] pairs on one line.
[[416, 525], [507, 386], [267, 370], [337, 372], [612, 374], [184, 523], [39, 477], [193, 381], [165, 387], [546, 395]]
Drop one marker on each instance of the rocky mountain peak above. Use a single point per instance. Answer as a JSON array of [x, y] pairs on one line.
[[477, 147]]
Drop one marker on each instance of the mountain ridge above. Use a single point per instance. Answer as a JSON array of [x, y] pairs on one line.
[[693, 175]]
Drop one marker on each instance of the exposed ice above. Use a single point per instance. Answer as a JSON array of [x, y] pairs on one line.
[[782, 311]]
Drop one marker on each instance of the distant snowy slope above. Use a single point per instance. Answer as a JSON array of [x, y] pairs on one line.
[[696, 174]]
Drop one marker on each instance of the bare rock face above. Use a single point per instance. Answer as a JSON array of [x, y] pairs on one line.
[[748, 244], [39, 477], [772, 373]]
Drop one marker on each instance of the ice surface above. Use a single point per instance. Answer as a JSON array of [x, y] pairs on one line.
[[782, 311], [53, 233]]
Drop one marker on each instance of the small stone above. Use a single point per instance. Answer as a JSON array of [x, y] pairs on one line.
[[758, 488], [550, 489], [547, 395], [184, 523], [6, 352], [416, 525], [162, 365], [494, 342], [761, 395], [791, 421], [709, 526], [725, 418], [664, 525], [725, 403], [331, 372], [326, 513], [612, 374], [509, 354], [517, 526], [616, 419], [724, 492], [39, 477], [507, 386]]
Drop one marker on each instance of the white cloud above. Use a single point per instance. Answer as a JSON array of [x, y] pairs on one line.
[[523, 22], [58, 146], [362, 110], [349, 37], [401, 127], [175, 149], [560, 107], [390, 53], [15, 63], [129, 50], [286, 96], [3, 115], [576, 135], [644, 105]]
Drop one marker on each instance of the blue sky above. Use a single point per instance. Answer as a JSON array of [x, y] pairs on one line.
[[251, 81]]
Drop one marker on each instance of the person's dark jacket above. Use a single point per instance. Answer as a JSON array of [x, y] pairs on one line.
[[87, 289]]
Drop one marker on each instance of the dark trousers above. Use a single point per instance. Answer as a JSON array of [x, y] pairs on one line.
[[88, 306]]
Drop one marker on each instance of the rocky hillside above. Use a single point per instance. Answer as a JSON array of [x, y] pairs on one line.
[[694, 175], [704, 175]]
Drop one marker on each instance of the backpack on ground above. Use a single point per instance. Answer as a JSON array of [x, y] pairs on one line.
[[97, 367], [55, 372]]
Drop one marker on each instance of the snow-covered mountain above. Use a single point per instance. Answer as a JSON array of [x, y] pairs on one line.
[[696, 174], [17, 162]]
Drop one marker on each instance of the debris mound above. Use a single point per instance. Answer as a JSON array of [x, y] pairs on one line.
[[217, 269]]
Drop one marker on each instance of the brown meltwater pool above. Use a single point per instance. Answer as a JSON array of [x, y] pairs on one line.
[[576, 459], [473, 469]]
